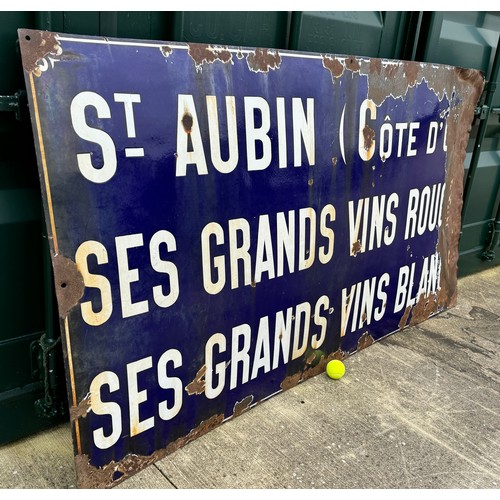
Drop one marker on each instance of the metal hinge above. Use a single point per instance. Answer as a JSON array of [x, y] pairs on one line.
[[16, 103], [42, 368], [482, 112]]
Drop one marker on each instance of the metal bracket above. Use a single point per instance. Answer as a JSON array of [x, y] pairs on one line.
[[483, 112], [49, 406], [496, 111], [494, 238], [488, 253], [16, 103], [491, 86], [36, 361]]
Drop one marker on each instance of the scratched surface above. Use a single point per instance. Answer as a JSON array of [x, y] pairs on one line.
[[324, 186]]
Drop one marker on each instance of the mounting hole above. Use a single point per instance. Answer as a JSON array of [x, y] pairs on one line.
[[63, 285], [27, 37], [117, 475]]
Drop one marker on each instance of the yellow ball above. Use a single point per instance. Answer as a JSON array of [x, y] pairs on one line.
[[335, 369]]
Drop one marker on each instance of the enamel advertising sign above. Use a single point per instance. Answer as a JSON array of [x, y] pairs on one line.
[[224, 221]]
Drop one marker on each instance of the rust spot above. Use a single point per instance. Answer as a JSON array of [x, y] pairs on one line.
[[81, 409], [368, 136], [423, 309], [335, 67], [239, 54], [320, 364], [113, 473], [242, 406], [202, 53], [338, 354], [388, 78], [291, 381], [443, 299], [262, 60], [253, 284], [197, 386], [365, 341], [314, 358], [68, 284], [89, 476], [187, 122], [310, 360], [165, 50], [315, 364], [375, 65], [310, 182], [411, 72], [391, 70], [356, 248], [472, 76], [471, 83], [404, 318], [36, 45], [334, 161], [352, 64], [314, 370]]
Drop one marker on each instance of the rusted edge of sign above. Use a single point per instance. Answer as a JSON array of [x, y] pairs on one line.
[[465, 87], [385, 78]]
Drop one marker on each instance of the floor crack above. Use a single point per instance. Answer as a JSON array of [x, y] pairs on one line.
[[165, 476]]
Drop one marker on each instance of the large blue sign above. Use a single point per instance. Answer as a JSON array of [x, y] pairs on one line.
[[225, 221]]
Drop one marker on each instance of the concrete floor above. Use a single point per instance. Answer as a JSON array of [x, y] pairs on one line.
[[420, 409]]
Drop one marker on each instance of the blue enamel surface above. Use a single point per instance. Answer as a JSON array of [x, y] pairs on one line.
[[145, 196]]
